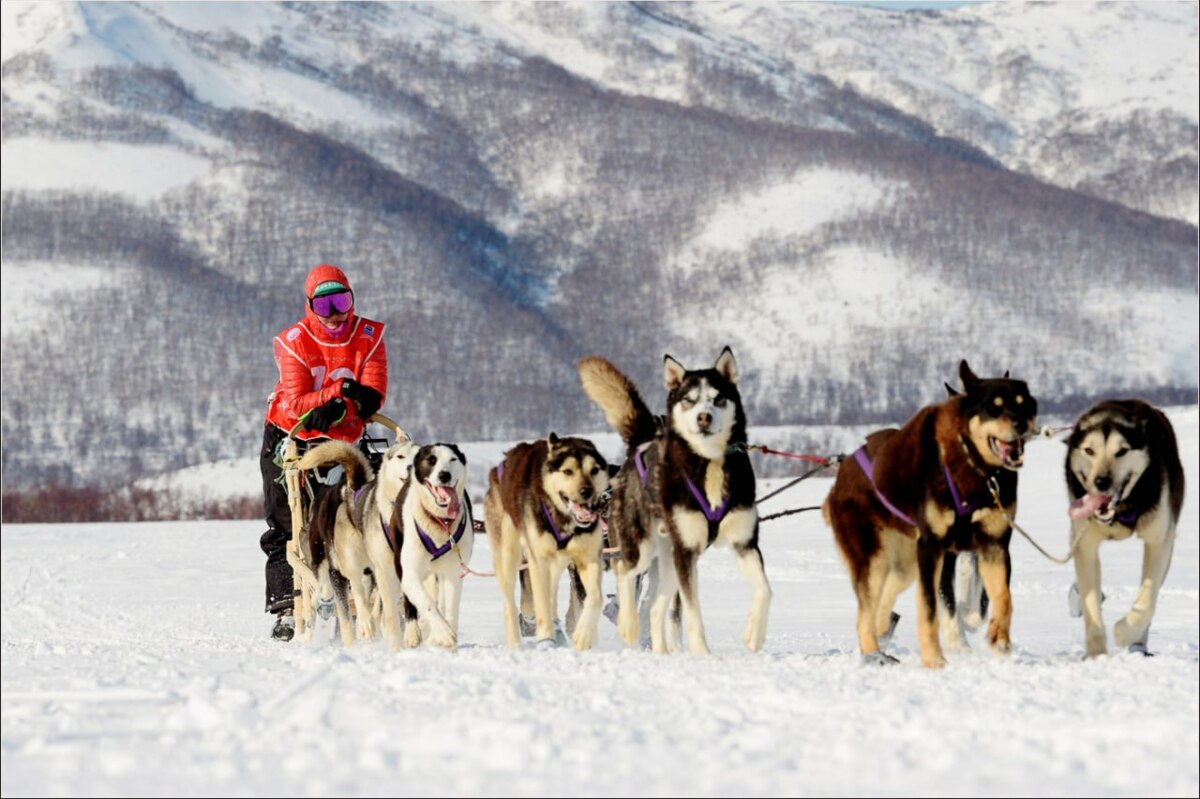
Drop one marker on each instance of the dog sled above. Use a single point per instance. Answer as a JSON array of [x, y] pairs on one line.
[[299, 550]]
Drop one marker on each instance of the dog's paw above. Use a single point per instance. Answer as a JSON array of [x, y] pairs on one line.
[[1125, 633], [878, 659], [1138, 648], [443, 637], [754, 636], [364, 629], [412, 635], [1096, 645], [933, 661], [998, 640], [584, 638]]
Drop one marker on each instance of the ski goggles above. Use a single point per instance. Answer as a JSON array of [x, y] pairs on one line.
[[331, 304]]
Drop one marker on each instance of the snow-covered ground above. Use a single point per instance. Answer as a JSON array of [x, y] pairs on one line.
[[136, 663]]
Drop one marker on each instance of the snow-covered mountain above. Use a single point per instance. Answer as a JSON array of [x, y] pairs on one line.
[[852, 198]]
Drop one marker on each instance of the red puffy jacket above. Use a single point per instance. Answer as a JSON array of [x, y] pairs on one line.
[[312, 364]]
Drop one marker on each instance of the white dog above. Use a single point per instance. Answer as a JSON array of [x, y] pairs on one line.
[[431, 531]]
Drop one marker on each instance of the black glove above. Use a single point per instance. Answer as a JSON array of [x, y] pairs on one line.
[[366, 399], [326, 416]]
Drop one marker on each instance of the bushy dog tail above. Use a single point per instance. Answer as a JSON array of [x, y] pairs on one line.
[[616, 395], [357, 468]]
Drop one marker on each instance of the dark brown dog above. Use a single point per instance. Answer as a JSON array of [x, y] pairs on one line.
[[911, 495]]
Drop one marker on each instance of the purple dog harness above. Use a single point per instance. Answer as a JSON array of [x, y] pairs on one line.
[[710, 513], [961, 507]]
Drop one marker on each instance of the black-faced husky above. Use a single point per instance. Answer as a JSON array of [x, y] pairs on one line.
[[945, 481], [1124, 477], [682, 488]]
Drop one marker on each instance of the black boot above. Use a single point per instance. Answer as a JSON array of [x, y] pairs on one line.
[[285, 627]]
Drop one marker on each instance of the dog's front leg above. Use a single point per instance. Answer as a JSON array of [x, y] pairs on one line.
[[1156, 559], [995, 569], [556, 565], [668, 587], [505, 539], [689, 597], [450, 596], [689, 532], [750, 564], [387, 582], [929, 565], [413, 587], [1087, 578], [627, 611], [543, 607], [589, 616]]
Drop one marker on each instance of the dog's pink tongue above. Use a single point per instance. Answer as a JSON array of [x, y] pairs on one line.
[[453, 508], [583, 513], [1085, 506]]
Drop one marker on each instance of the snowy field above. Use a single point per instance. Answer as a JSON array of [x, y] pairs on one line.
[[136, 663]]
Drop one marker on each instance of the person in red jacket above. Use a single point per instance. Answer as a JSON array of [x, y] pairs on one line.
[[332, 378]]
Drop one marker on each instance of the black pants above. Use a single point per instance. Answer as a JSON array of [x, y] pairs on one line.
[[280, 586]]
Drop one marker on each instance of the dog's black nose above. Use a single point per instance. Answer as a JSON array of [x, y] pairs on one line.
[[586, 492], [444, 477], [1103, 482]]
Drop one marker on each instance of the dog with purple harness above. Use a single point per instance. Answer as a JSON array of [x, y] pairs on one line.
[[429, 539], [543, 509], [945, 482], [686, 484], [348, 538]]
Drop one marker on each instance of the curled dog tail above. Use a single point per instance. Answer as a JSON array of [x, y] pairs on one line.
[[358, 470], [616, 395]]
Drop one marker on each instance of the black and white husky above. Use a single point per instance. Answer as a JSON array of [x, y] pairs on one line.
[[431, 537], [1124, 478], [684, 486]]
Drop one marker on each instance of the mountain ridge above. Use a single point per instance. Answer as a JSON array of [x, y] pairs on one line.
[[506, 213]]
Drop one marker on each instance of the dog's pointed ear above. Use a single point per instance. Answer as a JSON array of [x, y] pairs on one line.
[[673, 372], [968, 378], [552, 439], [1005, 374], [950, 390], [726, 365]]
